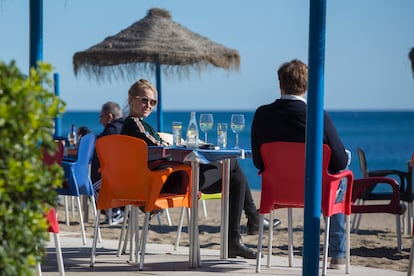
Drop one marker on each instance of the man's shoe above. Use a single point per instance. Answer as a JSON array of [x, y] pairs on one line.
[[337, 263], [241, 250], [253, 225], [117, 217]]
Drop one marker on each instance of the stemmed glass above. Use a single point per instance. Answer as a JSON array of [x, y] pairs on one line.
[[237, 125], [206, 124]]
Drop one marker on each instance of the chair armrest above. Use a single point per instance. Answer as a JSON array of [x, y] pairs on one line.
[[361, 185], [405, 178], [329, 192]]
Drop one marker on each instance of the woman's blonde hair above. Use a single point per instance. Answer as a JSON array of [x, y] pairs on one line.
[[141, 85]]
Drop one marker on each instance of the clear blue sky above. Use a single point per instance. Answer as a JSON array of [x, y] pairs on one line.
[[367, 45]]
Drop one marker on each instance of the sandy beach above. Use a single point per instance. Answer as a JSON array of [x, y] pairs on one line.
[[375, 245]]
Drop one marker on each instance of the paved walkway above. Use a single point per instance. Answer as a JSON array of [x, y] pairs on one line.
[[162, 259]]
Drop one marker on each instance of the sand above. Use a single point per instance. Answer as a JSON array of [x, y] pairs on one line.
[[375, 244]]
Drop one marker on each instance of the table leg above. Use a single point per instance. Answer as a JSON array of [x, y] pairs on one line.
[[224, 237], [194, 238]]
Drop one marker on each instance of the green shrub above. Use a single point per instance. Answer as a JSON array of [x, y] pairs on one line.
[[27, 187]]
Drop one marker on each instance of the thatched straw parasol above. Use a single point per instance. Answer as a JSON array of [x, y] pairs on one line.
[[148, 43], [411, 56]]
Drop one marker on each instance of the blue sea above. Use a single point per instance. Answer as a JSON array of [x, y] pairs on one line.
[[386, 137]]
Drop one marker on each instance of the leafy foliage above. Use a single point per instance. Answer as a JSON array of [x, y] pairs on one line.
[[27, 187]]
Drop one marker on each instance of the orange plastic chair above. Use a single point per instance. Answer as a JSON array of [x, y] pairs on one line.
[[393, 206], [283, 186], [127, 180]]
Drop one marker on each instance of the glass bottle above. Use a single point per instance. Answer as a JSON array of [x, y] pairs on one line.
[[72, 136], [192, 132]]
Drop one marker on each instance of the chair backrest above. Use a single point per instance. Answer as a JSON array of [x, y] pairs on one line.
[[81, 166], [362, 163], [56, 157], [126, 178], [283, 180], [77, 177], [50, 159]]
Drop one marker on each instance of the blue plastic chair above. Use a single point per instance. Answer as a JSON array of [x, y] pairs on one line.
[[77, 178]]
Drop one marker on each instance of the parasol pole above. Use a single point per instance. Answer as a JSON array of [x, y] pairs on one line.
[[58, 119], [36, 32], [160, 119], [314, 138]]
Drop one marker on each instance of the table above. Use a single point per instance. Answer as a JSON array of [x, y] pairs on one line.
[[196, 157]]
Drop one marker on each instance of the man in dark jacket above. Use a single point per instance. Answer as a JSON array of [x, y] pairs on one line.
[[111, 119], [285, 120]]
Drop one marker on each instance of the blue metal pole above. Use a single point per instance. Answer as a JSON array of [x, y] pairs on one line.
[[58, 119], [160, 116], [314, 138], [36, 32]]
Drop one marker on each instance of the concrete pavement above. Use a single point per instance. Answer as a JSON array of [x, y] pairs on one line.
[[162, 259]]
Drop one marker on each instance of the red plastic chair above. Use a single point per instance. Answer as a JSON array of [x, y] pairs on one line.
[[127, 180], [283, 186], [393, 206], [405, 186], [50, 159]]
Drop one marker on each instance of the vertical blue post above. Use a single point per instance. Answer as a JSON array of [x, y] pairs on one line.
[[36, 32], [58, 119], [160, 116], [314, 138]]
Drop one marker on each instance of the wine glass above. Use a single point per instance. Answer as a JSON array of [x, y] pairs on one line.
[[237, 125], [206, 124]]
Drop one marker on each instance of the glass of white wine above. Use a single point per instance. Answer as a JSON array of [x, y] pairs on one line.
[[206, 124], [237, 125]]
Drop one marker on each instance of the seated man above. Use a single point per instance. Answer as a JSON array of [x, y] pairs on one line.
[[111, 119], [288, 123]]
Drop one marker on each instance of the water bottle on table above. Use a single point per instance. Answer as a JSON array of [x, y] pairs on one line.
[[192, 132]]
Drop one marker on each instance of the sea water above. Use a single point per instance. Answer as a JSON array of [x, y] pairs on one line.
[[386, 137]]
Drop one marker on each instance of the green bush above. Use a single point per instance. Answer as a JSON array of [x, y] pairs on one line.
[[28, 107]]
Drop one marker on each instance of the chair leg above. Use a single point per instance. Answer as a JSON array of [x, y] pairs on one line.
[[357, 218], [73, 206], [398, 229], [38, 269], [409, 217], [123, 231], [95, 235], [179, 229], [348, 244], [325, 245], [59, 257], [92, 200], [66, 210], [270, 241], [290, 236], [167, 215], [259, 244], [132, 232], [81, 220], [144, 240], [203, 204], [128, 231], [410, 262]]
